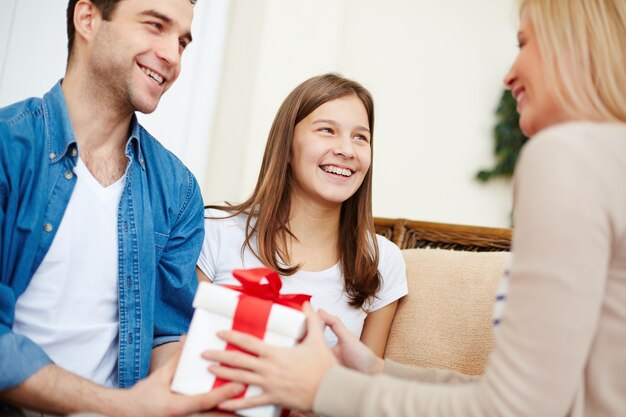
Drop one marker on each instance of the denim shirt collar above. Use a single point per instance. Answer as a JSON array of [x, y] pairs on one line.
[[60, 137], [133, 146], [59, 133]]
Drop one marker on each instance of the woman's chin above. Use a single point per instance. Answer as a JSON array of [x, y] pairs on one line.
[[527, 127]]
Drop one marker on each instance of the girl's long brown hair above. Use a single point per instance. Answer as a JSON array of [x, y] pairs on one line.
[[270, 203]]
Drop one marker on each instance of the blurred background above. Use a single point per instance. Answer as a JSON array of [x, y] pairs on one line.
[[435, 69]]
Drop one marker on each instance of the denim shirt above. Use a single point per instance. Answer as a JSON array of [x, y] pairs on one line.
[[160, 233]]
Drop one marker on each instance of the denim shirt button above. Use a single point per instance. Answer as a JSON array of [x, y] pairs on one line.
[[47, 227], [52, 155], [74, 152], [130, 338], [68, 175]]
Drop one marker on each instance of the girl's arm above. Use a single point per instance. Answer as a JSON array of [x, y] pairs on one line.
[[202, 276], [376, 328]]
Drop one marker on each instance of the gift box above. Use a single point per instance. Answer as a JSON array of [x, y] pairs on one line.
[[257, 308]]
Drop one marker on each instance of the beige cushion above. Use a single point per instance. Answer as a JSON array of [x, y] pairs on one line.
[[446, 320]]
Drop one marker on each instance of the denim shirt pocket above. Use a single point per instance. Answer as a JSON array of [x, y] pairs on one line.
[[160, 242]]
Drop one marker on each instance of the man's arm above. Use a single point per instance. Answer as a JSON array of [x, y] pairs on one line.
[[55, 390], [176, 272]]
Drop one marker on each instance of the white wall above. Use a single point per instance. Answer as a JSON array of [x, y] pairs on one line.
[[36, 47], [434, 67], [184, 119], [6, 18]]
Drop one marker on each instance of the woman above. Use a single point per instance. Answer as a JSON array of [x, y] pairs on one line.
[[560, 347], [310, 215]]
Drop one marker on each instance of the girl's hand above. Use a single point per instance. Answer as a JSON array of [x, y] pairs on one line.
[[302, 414], [349, 351]]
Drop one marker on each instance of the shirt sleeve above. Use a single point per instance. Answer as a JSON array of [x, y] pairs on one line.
[[176, 272], [20, 357], [429, 375], [559, 271], [392, 269], [211, 243]]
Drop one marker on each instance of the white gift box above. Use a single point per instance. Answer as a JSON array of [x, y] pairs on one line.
[[214, 310]]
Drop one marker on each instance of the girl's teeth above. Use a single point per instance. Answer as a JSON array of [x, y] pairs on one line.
[[338, 171]]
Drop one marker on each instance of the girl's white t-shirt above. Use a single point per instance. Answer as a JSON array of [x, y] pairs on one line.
[[221, 253]]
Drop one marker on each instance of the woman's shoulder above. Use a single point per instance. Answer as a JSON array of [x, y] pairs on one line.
[[584, 128], [580, 135], [569, 145]]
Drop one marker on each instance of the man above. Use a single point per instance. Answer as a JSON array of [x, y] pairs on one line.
[[101, 225]]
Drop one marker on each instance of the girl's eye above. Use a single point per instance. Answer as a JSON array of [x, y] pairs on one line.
[[326, 130], [361, 138], [183, 44]]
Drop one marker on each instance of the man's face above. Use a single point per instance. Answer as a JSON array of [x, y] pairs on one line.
[[135, 56]]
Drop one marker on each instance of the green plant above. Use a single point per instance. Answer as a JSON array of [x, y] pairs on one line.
[[509, 140]]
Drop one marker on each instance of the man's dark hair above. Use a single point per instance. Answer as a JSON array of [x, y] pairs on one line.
[[106, 7]]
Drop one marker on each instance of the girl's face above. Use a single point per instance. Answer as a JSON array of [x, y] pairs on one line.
[[536, 103], [331, 152]]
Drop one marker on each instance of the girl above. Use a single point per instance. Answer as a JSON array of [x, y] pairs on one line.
[[310, 215]]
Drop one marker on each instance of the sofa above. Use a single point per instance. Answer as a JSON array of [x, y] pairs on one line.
[[453, 274]]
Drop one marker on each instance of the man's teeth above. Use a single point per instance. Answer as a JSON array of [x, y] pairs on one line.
[[337, 170], [156, 77]]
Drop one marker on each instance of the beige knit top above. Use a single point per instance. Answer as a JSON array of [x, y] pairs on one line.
[[560, 349]]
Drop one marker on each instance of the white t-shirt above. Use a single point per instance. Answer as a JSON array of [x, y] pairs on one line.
[[221, 253], [70, 307]]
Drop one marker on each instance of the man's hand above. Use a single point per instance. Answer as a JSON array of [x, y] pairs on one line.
[[152, 396]]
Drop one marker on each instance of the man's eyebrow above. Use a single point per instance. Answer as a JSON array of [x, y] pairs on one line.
[[158, 15], [167, 20]]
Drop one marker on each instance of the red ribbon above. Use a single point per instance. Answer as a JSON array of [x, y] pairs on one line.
[[265, 283], [260, 289]]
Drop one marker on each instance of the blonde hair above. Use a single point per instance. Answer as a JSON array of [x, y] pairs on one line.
[[583, 45]]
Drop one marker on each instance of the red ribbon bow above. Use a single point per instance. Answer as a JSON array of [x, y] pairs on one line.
[[260, 289], [265, 283]]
